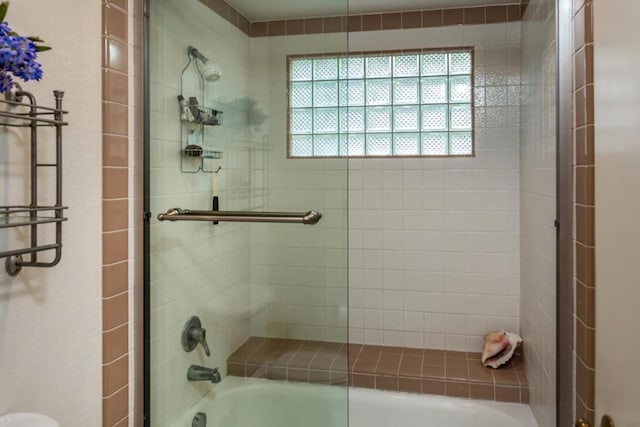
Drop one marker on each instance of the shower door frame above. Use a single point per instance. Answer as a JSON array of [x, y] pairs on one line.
[[147, 217], [564, 215]]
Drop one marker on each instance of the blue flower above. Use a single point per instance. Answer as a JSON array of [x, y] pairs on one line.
[[17, 57], [17, 54], [4, 29], [5, 81]]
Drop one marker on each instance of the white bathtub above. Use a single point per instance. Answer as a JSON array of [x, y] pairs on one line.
[[249, 402]]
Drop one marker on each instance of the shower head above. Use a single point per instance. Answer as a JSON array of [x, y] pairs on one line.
[[209, 72]]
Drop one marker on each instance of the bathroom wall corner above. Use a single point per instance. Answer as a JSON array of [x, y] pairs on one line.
[[119, 228]]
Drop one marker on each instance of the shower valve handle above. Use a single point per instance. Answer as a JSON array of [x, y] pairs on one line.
[[193, 334], [199, 335]]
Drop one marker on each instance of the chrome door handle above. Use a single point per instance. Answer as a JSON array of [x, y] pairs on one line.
[[177, 214]]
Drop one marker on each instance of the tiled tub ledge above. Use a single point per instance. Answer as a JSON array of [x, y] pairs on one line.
[[449, 373]]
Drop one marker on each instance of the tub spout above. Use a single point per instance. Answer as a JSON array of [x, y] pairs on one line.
[[201, 373]]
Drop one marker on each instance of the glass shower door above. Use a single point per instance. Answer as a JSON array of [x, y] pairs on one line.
[[245, 316]]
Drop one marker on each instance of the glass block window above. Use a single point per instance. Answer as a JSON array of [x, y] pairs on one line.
[[417, 103]]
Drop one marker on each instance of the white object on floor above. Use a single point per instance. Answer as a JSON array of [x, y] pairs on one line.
[[27, 419]]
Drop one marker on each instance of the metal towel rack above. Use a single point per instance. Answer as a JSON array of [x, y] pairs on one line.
[[177, 214], [16, 112]]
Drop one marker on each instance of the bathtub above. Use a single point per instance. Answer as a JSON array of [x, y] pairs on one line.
[[250, 402]]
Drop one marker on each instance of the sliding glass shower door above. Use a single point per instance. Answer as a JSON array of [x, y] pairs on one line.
[[245, 310]]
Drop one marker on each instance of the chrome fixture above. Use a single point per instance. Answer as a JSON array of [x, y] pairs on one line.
[[195, 115], [193, 150], [199, 420], [177, 214], [209, 72], [193, 334], [192, 51], [201, 373]]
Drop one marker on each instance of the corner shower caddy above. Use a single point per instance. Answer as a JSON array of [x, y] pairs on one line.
[[17, 113], [193, 119]]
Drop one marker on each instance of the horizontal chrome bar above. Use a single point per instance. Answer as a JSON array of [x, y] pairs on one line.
[[39, 107], [30, 250], [32, 119], [28, 221], [22, 209], [177, 214]]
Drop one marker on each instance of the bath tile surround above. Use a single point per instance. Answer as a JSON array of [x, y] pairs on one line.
[[441, 307], [436, 372], [584, 207], [433, 243], [407, 19], [538, 207], [117, 134], [197, 268]]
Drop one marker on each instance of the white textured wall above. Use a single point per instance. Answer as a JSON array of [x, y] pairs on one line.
[[616, 228], [50, 323], [538, 206], [298, 273], [196, 268], [434, 242]]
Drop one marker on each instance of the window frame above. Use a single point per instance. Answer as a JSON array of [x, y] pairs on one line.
[[338, 55]]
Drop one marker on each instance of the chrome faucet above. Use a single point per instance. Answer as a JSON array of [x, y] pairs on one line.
[[201, 373]]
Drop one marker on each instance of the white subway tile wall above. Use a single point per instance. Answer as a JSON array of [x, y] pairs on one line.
[[298, 273], [434, 258], [538, 207], [433, 243], [197, 268]]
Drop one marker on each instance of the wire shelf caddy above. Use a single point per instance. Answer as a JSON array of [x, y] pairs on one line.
[[20, 109]]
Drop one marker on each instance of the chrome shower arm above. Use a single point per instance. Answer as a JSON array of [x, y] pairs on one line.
[[194, 52]]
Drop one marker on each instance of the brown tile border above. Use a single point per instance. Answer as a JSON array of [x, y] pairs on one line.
[[410, 370], [116, 101], [584, 210], [369, 21], [115, 408], [389, 20], [449, 17], [229, 13], [115, 376], [115, 343]]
